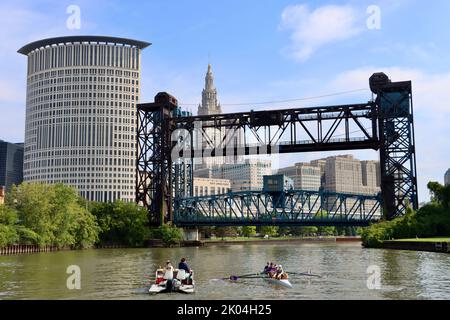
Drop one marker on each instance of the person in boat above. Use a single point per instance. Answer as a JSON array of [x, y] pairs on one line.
[[272, 270], [281, 275], [267, 268], [184, 266], [168, 271], [278, 273]]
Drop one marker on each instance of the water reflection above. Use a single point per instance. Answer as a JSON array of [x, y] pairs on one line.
[[120, 273]]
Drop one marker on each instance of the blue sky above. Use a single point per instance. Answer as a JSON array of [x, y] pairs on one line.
[[260, 51]]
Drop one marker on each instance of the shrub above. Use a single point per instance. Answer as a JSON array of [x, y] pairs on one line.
[[169, 234]]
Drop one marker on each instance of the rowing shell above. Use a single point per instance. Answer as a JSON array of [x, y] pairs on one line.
[[284, 282]]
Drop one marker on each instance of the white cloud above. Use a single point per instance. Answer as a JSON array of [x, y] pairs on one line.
[[430, 91], [313, 29]]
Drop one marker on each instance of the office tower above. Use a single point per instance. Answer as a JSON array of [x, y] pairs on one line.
[[82, 93]]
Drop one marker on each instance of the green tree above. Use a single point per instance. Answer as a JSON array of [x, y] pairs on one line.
[[168, 233], [439, 193], [121, 222], [309, 231], [431, 220], [8, 216], [270, 231], [327, 231], [223, 232], [8, 235], [51, 213], [248, 231], [11, 231]]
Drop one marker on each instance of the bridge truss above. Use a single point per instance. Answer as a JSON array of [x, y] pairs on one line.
[[167, 148], [293, 207]]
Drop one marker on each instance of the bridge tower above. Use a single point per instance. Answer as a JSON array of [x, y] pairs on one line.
[[154, 162], [397, 145]]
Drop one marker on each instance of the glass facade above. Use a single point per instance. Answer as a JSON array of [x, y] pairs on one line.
[[11, 164]]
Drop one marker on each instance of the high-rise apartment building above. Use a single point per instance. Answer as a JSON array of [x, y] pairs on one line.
[[447, 177], [11, 164], [82, 93]]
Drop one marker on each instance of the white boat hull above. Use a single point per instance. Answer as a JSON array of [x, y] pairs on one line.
[[284, 282]]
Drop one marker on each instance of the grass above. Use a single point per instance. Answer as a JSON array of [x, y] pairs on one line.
[[425, 240]]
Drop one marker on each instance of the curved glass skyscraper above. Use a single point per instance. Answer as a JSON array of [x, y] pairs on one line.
[[80, 128]]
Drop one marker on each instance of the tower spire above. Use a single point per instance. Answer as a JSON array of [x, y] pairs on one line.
[[209, 105]]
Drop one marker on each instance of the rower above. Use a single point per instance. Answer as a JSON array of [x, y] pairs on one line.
[[267, 268], [184, 266], [168, 275], [272, 269]]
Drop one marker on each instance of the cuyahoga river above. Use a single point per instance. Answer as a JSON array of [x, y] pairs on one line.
[[120, 273]]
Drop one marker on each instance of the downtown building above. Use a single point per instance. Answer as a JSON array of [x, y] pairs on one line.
[[340, 174], [337, 174], [345, 174], [304, 175], [11, 165], [218, 137], [245, 175], [242, 174], [82, 93], [447, 178], [210, 186]]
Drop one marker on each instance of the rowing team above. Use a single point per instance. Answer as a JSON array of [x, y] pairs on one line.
[[275, 271]]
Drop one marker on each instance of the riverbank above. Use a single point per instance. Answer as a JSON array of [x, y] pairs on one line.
[[156, 243], [22, 249], [424, 244], [274, 240]]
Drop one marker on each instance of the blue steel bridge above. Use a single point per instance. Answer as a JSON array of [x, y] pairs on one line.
[[166, 153], [287, 208]]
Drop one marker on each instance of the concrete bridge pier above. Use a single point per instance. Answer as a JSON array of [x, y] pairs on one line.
[[190, 234]]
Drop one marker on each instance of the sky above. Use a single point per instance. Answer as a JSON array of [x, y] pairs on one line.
[[260, 51]]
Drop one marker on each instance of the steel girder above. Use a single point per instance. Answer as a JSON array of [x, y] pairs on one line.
[[293, 207], [397, 148]]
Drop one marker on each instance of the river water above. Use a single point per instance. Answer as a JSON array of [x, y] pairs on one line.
[[120, 273]]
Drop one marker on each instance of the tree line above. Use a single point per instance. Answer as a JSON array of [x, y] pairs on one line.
[[431, 220], [275, 231], [55, 215]]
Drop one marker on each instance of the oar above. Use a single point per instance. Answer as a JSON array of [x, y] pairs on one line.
[[234, 278], [309, 274], [149, 278]]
